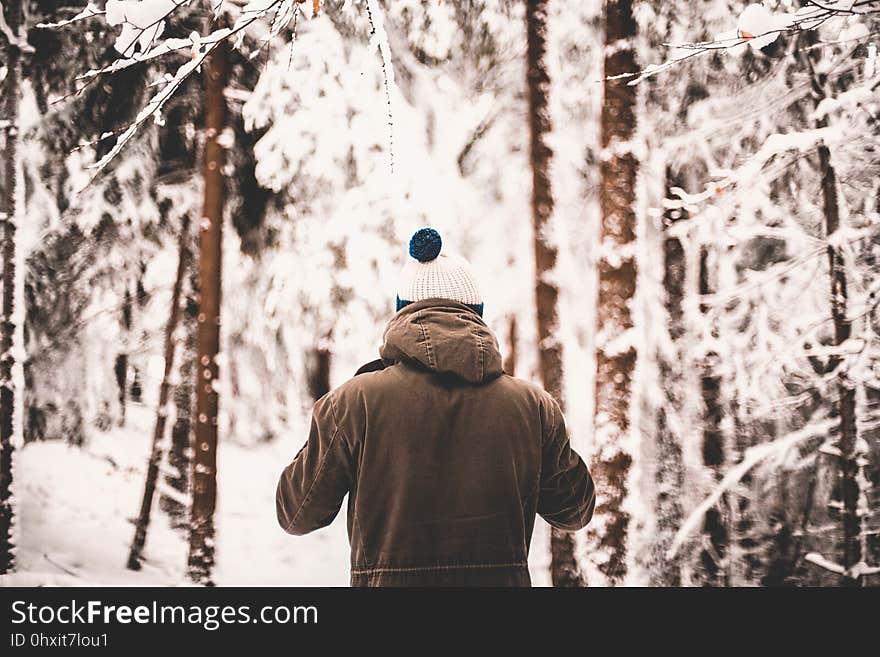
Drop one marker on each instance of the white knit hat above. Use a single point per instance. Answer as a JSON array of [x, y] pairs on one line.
[[432, 275]]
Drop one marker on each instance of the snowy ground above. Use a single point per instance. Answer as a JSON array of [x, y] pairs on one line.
[[75, 509]]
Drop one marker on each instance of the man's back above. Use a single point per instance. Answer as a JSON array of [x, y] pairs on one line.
[[446, 459]]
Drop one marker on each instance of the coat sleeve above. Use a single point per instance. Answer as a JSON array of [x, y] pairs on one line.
[[567, 495], [311, 489]]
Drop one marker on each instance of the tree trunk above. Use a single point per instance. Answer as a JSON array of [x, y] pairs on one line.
[[7, 327], [745, 544], [136, 387], [173, 499], [615, 360], [847, 489], [713, 557], [143, 521], [318, 374], [669, 474], [204, 472], [120, 367], [563, 567], [512, 347]]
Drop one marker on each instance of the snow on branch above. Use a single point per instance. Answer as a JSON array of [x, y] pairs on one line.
[[283, 13], [11, 37], [167, 46], [89, 12], [818, 560], [849, 100], [758, 27], [155, 104], [861, 569], [777, 144], [776, 449], [142, 24]]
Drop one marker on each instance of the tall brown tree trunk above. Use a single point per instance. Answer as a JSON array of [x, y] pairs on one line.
[[204, 472], [615, 362], [173, 499], [7, 327], [669, 473], [135, 555], [563, 567]]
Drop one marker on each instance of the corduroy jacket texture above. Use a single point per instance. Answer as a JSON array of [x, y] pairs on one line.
[[445, 459]]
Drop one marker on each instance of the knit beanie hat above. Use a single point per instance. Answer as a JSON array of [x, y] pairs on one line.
[[432, 275]]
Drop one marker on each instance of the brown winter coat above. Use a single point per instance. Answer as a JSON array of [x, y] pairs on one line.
[[446, 460]]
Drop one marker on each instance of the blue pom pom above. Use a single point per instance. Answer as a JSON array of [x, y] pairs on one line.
[[425, 245]]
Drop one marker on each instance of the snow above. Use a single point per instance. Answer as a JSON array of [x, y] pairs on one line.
[[761, 26], [142, 22], [164, 48], [822, 562], [848, 101], [90, 11], [76, 509]]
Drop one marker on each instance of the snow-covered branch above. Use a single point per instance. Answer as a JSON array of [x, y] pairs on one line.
[[861, 569], [758, 27], [775, 145], [89, 12], [753, 456], [141, 27]]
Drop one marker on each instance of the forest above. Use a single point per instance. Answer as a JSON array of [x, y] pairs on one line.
[[673, 209]]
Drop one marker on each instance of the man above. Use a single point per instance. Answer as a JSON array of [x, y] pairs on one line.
[[445, 459]]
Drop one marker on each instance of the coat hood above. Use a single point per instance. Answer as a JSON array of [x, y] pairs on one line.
[[446, 337]]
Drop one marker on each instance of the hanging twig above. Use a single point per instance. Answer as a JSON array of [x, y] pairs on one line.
[[379, 39]]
